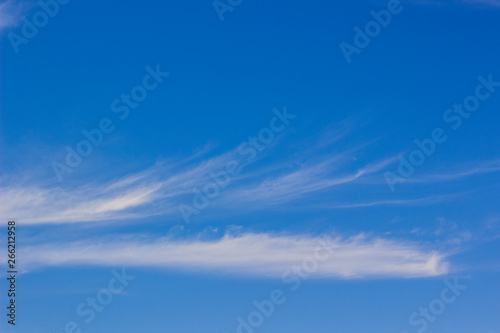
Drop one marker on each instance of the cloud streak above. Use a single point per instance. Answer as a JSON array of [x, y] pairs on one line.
[[250, 254], [486, 3], [476, 3], [461, 172], [153, 191], [11, 13], [160, 189]]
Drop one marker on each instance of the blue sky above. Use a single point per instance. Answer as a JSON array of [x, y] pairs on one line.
[[178, 162]]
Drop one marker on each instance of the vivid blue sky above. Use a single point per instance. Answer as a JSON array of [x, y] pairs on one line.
[[309, 148]]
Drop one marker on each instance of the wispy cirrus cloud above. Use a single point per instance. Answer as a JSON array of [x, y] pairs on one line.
[[486, 3], [248, 254], [463, 171], [475, 3], [114, 199], [11, 13], [159, 190], [398, 202], [290, 184], [301, 178]]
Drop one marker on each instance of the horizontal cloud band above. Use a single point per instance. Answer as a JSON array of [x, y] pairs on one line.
[[250, 254]]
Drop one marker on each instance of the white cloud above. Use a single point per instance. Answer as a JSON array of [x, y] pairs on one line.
[[487, 3], [477, 3], [429, 200], [160, 189], [293, 184], [250, 254], [116, 199], [11, 12], [460, 172]]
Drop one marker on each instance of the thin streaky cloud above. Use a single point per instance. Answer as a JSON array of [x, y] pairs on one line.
[[114, 199], [486, 3], [11, 13], [290, 187], [481, 4], [463, 171], [165, 185], [249, 254], [159, 190], [399, 202], [323, 174]]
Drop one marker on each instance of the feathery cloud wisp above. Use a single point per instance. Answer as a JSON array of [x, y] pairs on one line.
[[159, 190], [10, 14]]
